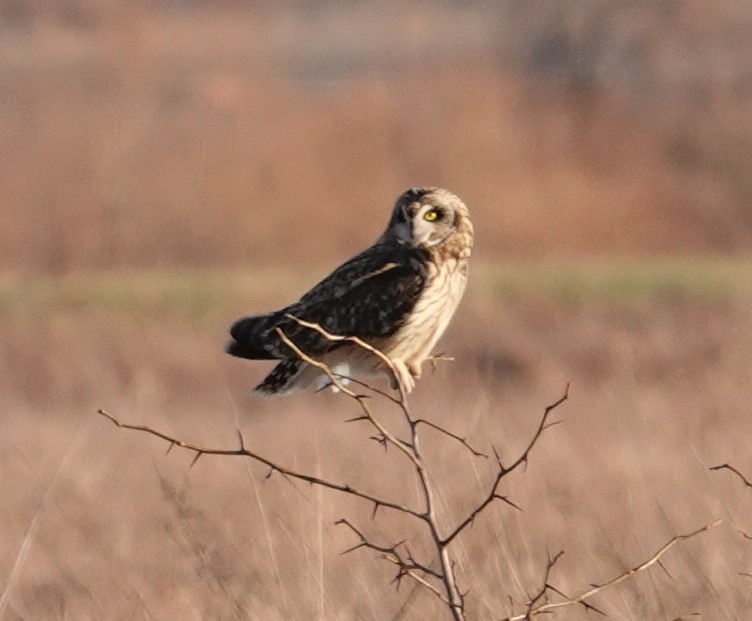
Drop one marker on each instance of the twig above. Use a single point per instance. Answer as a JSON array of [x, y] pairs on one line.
[[546, 586], [373, 389], [503, 471], [408, 563], [744, 479], [335, 338], [242, 451], [580, 599], [460, 439], [542, 426], [420, 580], [436, 358], [334, 379], [387, 435]]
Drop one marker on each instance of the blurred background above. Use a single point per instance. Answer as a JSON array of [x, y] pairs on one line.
[[170, 165]]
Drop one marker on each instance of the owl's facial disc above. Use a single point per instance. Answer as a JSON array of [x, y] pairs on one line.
[[432, 224], [425, 217]]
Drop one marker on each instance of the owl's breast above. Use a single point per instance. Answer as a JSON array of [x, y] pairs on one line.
[[432, 312]]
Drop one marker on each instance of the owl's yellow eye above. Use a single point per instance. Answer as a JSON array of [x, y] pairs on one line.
[[431, 215]]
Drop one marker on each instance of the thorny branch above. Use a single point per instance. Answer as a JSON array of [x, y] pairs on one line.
[[337, 382], [406, 564], [242, 451], [441, 582], [546, 587], [463, 441], [503, 471], [534, 609], [454, 598]]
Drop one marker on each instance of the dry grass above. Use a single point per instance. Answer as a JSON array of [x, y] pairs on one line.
[[659, 392]]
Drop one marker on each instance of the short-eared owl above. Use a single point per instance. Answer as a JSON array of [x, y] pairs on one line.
[[398, 296]]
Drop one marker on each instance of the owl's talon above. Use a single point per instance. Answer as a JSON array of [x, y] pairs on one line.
[[402, 376], [415, 369]]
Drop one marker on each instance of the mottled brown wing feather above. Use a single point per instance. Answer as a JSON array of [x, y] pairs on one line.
[[370, 296]]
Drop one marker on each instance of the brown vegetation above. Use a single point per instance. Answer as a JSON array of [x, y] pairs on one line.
[[152, 133], [659, 385]]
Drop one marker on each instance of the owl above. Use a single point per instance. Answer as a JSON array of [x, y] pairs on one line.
[[398, 296]]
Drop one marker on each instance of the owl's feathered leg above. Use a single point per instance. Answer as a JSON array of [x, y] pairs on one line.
[[342, 371]]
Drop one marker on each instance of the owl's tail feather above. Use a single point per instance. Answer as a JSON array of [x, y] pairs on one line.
[[283, 379], [249, 337]]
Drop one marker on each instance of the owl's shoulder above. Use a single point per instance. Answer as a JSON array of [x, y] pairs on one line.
[[381, 266]]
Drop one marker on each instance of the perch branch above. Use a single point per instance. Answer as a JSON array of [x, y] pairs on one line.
[[361, 399], [454, 599]]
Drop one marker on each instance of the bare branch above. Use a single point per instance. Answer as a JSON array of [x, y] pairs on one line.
[[334, 379], [366, 385], [542, 426], [547, 586], [446, 432], [361, 399], [504, 471], [454, 599], [544, 588], [353, 339], [535, 610], [744, 479], [420, 580], [273, 466], [406, 565], [436, 358], [408, 561]]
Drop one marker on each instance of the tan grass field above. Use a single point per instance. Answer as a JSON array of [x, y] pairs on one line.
[[99, 523]]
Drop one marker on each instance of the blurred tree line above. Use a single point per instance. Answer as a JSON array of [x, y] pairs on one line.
[[187, 131]]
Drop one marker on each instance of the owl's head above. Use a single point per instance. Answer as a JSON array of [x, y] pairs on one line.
[[430, 217]]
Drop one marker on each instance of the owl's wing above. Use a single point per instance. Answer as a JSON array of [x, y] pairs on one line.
[[370, 296]]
